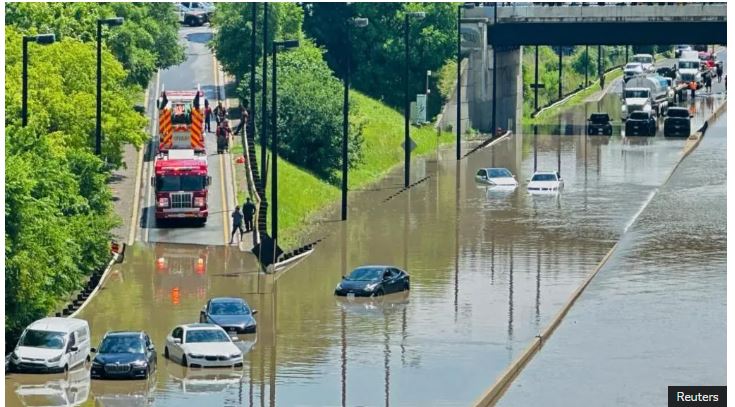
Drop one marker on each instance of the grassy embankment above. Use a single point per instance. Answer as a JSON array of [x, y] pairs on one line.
[[578, 98], [302, 194]]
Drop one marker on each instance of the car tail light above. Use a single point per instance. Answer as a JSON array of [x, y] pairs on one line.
[[163, 202], [199, 201]]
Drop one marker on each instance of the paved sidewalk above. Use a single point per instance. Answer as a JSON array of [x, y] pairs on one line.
[[122, 184]]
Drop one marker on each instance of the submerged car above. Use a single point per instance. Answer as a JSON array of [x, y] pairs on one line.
[[599, 123], [500, 177], [202, 345], [123, 354], [545, 181], [677, 122], [231, 313], [640, 123], [367, 281]]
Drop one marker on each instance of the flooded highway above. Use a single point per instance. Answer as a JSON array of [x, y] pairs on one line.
[[657, 307], [489, 269]]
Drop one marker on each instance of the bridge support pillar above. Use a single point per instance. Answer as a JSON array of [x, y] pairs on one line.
[[509, 90]]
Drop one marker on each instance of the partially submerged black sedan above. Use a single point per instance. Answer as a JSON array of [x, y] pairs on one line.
[[124, 355], [369, 281]]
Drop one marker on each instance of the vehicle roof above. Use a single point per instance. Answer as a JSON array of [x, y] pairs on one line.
[[600, 114], [199, 325], [636, 88], [544, 172], [57, 324], [633, 64], [376, 266], [189, 164], [124, 333], [678, 108], [227, 299], [642, 55], [492, 168]]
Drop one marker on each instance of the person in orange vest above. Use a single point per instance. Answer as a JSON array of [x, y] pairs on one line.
[[693, 88]]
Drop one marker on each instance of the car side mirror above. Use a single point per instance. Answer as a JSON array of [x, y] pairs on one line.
[[151, 348], [177, 340], [255, 311], [93, 350], [153, 181], [74, 348], [691, 116], [343, 277]]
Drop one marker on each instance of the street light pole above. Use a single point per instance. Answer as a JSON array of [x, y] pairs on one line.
[[274, 138], [407, 104], [110, 22], [43, 39], [253, 18], [357, 22], [459, 82], [264, 115]]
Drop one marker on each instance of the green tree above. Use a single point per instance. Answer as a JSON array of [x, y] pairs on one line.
[[310, 112], [147, 41]]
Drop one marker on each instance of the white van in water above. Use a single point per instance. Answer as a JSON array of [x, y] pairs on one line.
[[52, 345]]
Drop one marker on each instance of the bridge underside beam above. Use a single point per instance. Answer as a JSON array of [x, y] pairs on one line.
[[607, 33]]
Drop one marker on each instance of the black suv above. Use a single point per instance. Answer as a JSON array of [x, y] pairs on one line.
[[599, 123], [678, 122], [640, 124]]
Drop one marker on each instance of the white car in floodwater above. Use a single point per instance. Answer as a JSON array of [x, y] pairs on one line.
[[496, 177], [545, 182], [202, 345]]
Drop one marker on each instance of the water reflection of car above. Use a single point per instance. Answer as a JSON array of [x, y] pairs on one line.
[[640, 123], [124, 355], [203, 381], [231, 313], [374, 305], [113, 393], [599, 123], [545, 181], [677, 122], [496, 177], [71, 389], [202, 345], [368, 281]]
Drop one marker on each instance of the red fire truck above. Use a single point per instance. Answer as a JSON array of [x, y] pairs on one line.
[[180, 183], [181, 120]]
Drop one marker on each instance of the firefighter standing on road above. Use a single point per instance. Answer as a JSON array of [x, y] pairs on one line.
[[219, 113]]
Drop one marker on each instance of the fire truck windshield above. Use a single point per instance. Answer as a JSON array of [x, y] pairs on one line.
[[168, 183], [181, 113]]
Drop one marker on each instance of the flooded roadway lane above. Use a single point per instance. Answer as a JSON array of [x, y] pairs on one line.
[[656, 311], [488, 270]]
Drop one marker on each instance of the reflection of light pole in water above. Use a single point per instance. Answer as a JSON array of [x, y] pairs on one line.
[[538, 284], [344, 358], [273, 350], [510, 299], [456, 243], [387, 360], [558, 156]]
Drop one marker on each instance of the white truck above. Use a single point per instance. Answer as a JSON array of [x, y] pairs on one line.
[[688, 69], [645, 93], [646, 61]]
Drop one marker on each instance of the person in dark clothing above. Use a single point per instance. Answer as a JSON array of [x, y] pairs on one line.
[[207, 116], [708, 81], [719, 73], [244, 117], [219, 113], [248, 211], [236, 223]]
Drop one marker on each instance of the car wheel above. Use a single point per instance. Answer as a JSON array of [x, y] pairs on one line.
[[187, 21], [184, 362], [408, 285], [380, 293], [165, 353]]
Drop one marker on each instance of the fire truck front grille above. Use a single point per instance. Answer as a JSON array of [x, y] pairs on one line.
[[181, 200]]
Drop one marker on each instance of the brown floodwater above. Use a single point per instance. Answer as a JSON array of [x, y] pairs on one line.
[[488, 268]]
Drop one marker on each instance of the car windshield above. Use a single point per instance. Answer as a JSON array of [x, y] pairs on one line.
[[639, 116], [43, 339], [206, 335], [229, 308], [500, 173], [639, 93], [365, 274], [599, 118], [169, 183], [122, 344], [644, 59], [544, 177], [688, 64], [677, 113], [632, 67]]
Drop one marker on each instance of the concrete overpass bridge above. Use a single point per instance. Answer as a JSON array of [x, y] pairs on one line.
[[493, 36]]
